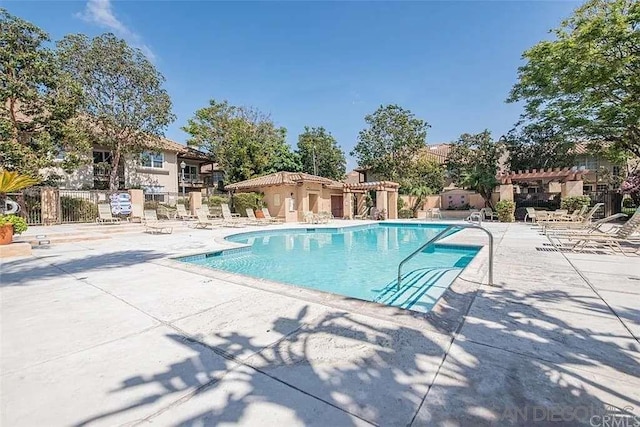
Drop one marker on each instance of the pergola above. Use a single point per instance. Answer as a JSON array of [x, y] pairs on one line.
[[386, 196], [551, 174]]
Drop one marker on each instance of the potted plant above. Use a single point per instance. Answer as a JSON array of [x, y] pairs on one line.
[[10, 225], [506, 211]]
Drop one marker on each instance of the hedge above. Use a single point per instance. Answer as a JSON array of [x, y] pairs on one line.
[[242, 201], [506, 210], [575, 203]]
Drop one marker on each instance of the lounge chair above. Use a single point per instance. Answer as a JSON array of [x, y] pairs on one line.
[[104, 215], [488, 214], [207, 211], [269, 218], [324, 217], [152, 224], [309, 218], [363, 215], [182, 213], [613, 240], [253, 220], [204, 222], [229, 220], [576, 220], [435, 212]]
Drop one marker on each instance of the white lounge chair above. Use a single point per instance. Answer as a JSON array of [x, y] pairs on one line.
[[204, 222], [152, 224], [253, 220], [229, 220], [269, 218], [104, 215], [182, 213]]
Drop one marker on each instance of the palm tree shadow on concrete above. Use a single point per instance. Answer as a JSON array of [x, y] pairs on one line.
[[511, 363]]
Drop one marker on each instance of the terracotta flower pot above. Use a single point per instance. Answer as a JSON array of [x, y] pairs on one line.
[[6, 234], [259, 214]]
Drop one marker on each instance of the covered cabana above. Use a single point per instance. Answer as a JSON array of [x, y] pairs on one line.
[[386, 199]]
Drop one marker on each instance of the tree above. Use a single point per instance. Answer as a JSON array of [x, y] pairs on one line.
[[390, 143], [124, 108], [474, 161], [585, 81], [320, 154], [631, 186], [539, 146], [244, 141], [284, 159], [37, 100]]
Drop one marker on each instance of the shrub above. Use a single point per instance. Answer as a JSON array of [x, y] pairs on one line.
[[506, 210], [217, 200], [400, 204], [78, 210], [628, 203], [242, 201], [576, 202], [19, 223], [405, 213]]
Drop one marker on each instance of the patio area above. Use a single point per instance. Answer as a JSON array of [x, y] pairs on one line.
[[110, 331]]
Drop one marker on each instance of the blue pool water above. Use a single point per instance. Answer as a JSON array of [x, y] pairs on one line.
[[359, 262]]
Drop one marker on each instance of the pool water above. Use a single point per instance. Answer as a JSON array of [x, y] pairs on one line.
[[359, 262]]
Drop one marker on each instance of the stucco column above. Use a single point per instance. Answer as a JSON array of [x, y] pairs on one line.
[[302, 202], [393, 205], [572, 189], [382, 201], [137, 203], [506, 192], [195, 202], [49, 206], [347, 205]]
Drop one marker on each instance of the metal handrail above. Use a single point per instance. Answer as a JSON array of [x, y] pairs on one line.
[[438, 237]]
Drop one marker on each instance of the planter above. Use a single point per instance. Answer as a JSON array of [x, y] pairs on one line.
[[259, 214], [6, 234]]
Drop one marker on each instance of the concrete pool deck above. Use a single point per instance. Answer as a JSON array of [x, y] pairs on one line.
[[112, 332]]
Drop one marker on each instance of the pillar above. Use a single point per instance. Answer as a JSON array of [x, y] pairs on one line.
[[137, 203], [392, 212], [49, 206], [506, 192], [572, 189], [347, 205], [195, 202], [382, 201]]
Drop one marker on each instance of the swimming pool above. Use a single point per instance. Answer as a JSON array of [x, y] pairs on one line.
[[359, 262]]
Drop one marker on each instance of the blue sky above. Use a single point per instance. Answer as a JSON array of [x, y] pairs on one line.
[[326, 63]]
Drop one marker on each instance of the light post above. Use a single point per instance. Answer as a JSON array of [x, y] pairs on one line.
[[182, 166]]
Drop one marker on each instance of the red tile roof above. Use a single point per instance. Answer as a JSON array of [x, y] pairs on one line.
[[280, 178]]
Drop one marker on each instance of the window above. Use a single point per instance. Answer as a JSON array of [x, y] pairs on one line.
[[152, 160], [602, 187], [591, 163], [155, 193], [101, 157], [586, 188]]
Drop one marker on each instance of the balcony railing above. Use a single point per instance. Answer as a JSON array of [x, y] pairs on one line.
[[192, 179]]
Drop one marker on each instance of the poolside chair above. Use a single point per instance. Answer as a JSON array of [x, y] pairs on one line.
[[182, 212], [435, 212], [229, 220], [104, 215], [152, 224], [309, 218], [488, 214], [204, 222], [253, 220], [531, 214], [269, 218], [578, 228], [363, 215], [324, 217], [207, 211], [626, 234], [581, 221]]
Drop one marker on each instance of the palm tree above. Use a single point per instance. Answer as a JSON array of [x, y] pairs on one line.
[[10, 182], [480, 181]]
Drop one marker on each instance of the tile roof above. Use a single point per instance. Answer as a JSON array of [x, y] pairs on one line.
[[280, 178], [437, 152], [183, 150]]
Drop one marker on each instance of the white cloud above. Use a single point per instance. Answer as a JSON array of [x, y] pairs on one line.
[[100, 13]]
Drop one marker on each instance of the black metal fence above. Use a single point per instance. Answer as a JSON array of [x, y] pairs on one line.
[[30, 204]]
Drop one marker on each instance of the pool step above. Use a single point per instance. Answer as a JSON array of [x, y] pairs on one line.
[[421, 288]]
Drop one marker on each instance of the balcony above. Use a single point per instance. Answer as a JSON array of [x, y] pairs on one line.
[[191, 180]]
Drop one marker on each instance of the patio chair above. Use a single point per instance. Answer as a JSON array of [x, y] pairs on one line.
[[207, 211], [624, 235], [531, 214], [182, 213], [363, 215], [104, 215], [435, 212], [253, 220], [229, 220], [204, 222], [584, 220], [324, 217], [309, 218], [488, 214], [579, 228], [152, 224], [269, 218]]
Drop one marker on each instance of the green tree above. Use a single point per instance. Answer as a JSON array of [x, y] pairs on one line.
[[423, 172], [390, 143], [37, 100], [125, 108], [585, 81], [284, 159], [474, 161], [320, 154], [244, 141], [539, 146]]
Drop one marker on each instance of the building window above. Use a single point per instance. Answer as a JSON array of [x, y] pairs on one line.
[[590, 163], [190, 173], [101, 157], [602, 187], [151, 160], [154, 193]]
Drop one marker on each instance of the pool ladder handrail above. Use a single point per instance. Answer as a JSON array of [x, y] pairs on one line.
[[438, 237]]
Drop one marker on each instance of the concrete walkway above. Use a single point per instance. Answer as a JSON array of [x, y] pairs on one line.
[[108, 332]]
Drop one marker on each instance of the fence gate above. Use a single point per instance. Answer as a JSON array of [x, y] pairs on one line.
[[30, 204], [80, 205]]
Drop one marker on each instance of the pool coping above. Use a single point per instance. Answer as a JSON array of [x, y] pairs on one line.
[[444, 318]]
